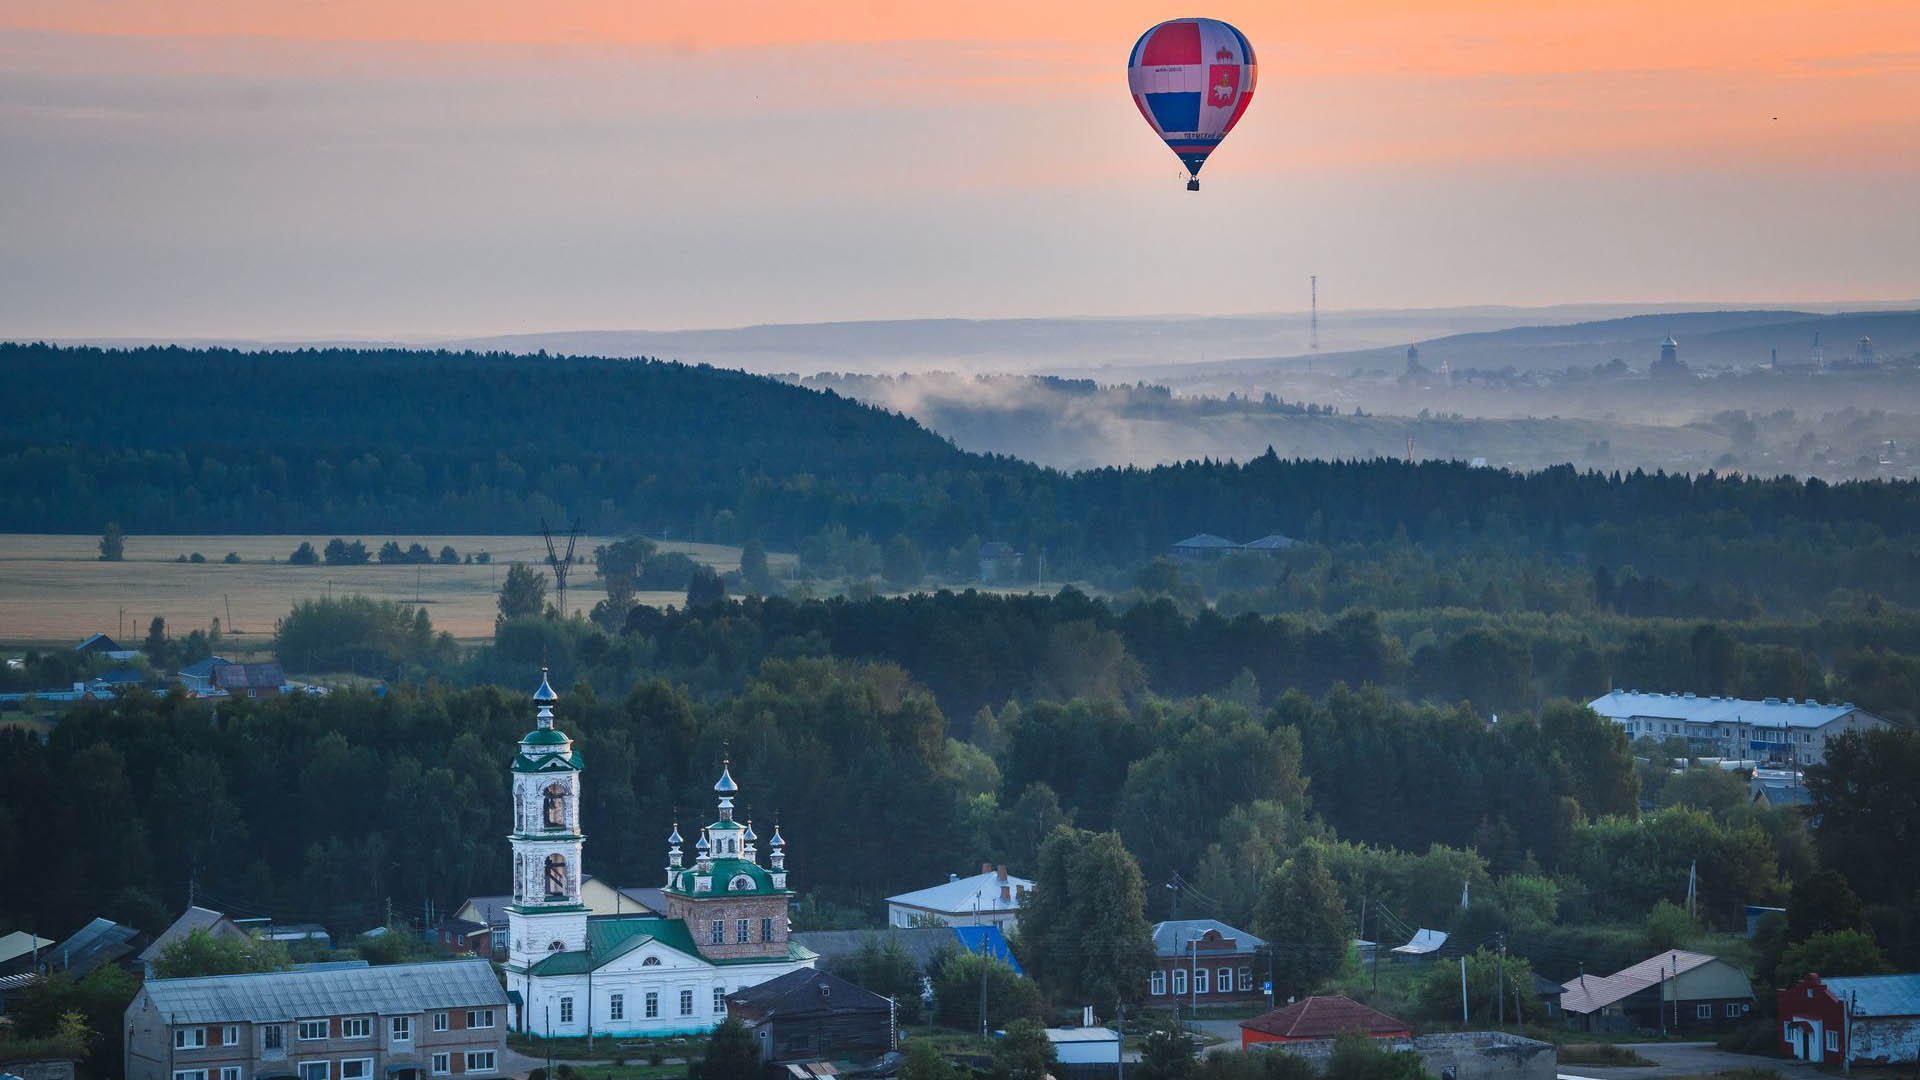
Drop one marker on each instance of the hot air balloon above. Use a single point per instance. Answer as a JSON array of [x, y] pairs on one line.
[[1192, 79]]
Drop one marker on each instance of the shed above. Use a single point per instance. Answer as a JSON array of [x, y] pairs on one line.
[[1085, 1045]]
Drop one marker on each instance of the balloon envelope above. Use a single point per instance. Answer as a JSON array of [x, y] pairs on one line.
[[1192, 79]]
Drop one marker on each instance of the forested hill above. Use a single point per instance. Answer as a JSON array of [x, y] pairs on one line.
[[182, 440]]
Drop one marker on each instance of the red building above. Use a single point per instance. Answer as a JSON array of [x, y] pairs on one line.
[[1201, 962], [1860, 1018], [1321, 1018]]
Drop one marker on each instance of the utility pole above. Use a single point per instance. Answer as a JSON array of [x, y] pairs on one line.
[[1313, 320], [1120, 1025], [1500, 979], [983, 967], [1463, 993]]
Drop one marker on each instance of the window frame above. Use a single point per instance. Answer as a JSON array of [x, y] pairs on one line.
[[742, 931], [1179, 983], [617, 1006], [230, 1035], [356, 1027], [181, 1040], [300, 1030], [651, 1005], [717, 932], [766, 929], [686, 1001], [400, 1029], [273, 1037], [1833, 1040], [364, 1062], [189, 1074], [441, 1064], [1733, 1009], [1703, 1012], [1246, 979], [719, 1001], [1202, 980], [492, 1065], [229, 1072], [326, 1069], [566, 1008], [1223, 981], [473, 1022], [1157, 983], [442, 1021]]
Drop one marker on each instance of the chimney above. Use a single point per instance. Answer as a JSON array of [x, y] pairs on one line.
[[986, 868], [1002, 869]]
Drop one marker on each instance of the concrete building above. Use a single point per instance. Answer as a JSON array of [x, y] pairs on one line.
[[1767, 730], [569, 974], [988, 898], [400, 1022], [1676, 991], [1199, 962], [1854, 1020]]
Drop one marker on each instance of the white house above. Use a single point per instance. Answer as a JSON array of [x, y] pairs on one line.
[[989, 898], [725, 926], [1770, 729]]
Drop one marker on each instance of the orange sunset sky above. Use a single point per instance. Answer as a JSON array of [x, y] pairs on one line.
[[305, 168]]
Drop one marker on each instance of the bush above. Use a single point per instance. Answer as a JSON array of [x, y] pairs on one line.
[[304, 555], [232, 557], [197, 557], [1600, 1054], [1753, 1036]]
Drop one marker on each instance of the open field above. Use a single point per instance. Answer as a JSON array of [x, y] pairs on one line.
[[53, 589]]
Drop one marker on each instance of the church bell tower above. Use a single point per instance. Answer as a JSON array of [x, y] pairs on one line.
[[545, 915]]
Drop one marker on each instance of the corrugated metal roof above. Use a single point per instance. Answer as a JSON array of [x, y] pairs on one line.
[[194, 918], [1878, 995], [283, 995], [959, 896], [1324, 1018], [1770, 713], [1175, 937], [1592, 993], [1422, 942], [1206, 540]]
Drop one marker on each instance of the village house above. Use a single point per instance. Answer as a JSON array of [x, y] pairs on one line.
[[1675, 991], [399, 1022], [988, 898], [809, 1015], [1851, 1020], [570, 974], [1321, 1018], [194, 918], [1201, 962]]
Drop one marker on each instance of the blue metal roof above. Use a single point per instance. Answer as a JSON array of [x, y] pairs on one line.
[[1770, 713], [987, 939], [1878, 995]]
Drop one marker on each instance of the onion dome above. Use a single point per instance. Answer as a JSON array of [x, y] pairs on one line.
[[778, 841], [675, 838], [545, 693], [701, 845], [726, 786], [748, 836]]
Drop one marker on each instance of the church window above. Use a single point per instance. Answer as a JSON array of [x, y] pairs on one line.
[[556, 877], [617, 1007], [555, 798], [717, 934], [566, 1010], [556, 946], [740, 883], [740, 932], [686, 1003], [766, 929], [653, 1003], [719, 1000], [651, 961]]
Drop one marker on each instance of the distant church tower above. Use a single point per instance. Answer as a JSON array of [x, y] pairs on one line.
[[734, 907], [546, 915]]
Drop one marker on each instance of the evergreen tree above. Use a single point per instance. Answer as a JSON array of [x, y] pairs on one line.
[[1305, 923], [523, 593], [113, 543], [753, 567], [1083, 928]]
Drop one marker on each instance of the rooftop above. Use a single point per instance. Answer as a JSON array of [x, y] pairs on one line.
[[1877, 995], [281, 995], [1591, 993], [194, 918], [965, 895], [1324, 1018], [1173, 937], [1768, 713], [1206, 540], [808, 991]]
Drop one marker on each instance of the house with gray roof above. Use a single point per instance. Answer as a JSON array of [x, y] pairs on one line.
[[1200, 962], [398, 1022], [1741, 728], [194, 918], [988, 898]]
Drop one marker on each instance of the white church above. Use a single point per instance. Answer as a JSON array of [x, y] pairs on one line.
[[568, 974]]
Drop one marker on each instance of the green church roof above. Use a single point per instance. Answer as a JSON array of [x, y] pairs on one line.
[[610, 939], [544, 737], [724, 872]]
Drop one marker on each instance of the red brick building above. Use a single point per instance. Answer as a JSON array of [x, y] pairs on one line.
[[1861, 1018], [1201, 962]]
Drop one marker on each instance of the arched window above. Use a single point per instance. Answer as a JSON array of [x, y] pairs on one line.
[[740, 883], [556, 806], [556, 877], [556, 946], [651, 961], [519, 876]]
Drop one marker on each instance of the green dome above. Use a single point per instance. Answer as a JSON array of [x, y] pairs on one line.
[[544, 737]]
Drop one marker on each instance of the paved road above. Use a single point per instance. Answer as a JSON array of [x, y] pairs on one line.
[[1687, 1059]]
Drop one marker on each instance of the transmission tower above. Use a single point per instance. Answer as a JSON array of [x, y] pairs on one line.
[[560, 563], [1313, 319]]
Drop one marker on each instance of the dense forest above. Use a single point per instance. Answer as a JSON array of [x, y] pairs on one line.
[[187, 440]]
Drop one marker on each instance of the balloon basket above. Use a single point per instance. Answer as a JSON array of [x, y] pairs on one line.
[[1193, 184]]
